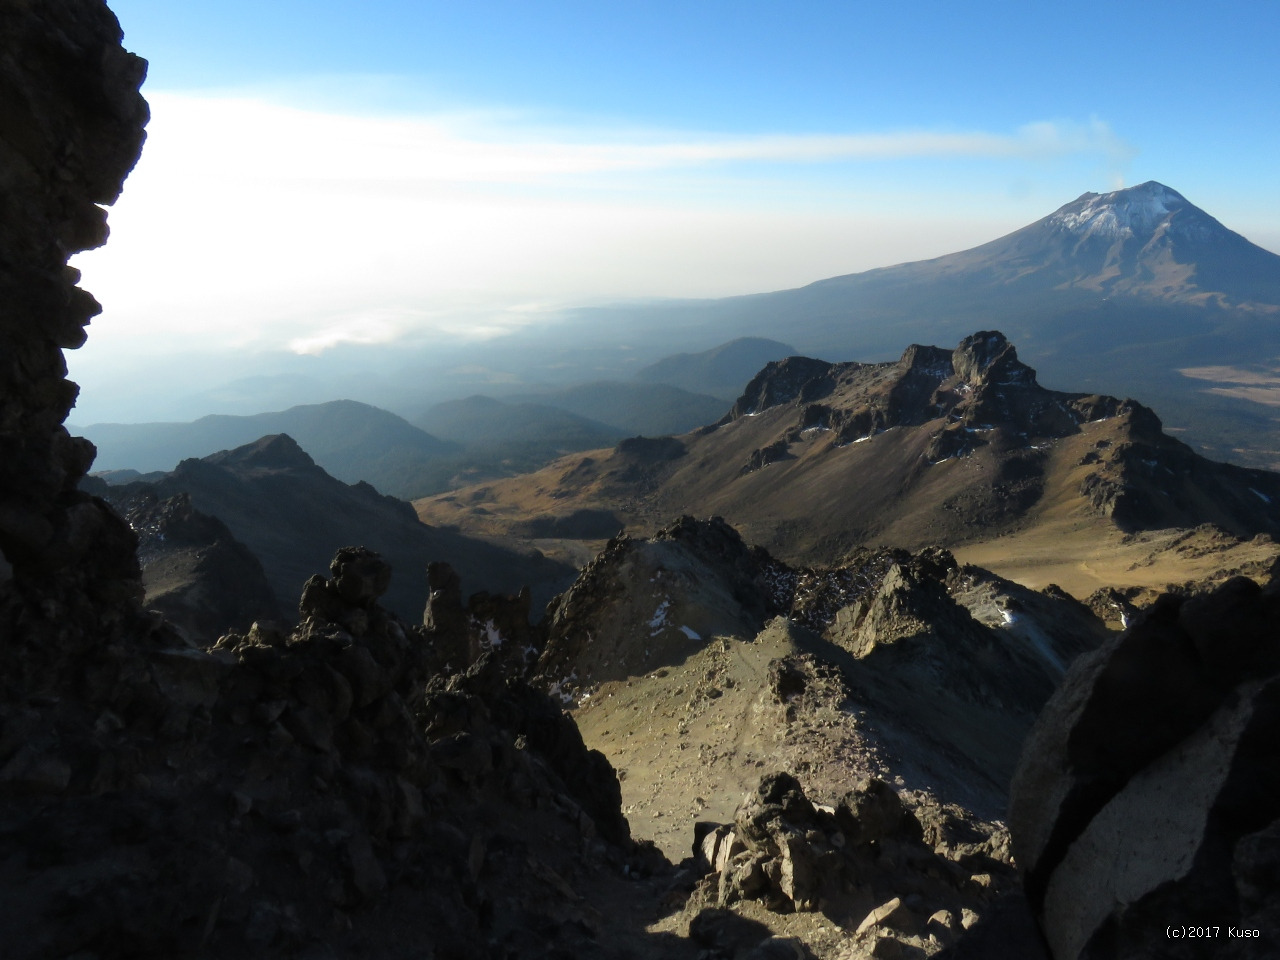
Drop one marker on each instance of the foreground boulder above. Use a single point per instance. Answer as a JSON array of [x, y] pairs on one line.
[[898, 876], [1148, 793]]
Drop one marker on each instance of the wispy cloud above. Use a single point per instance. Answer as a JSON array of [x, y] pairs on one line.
[[248, 138]]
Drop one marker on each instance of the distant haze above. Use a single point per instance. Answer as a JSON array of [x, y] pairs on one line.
[[434, 178]]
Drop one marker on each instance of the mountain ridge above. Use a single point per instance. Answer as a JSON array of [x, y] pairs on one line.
[[949, 447], [277, 501], [353, 441]]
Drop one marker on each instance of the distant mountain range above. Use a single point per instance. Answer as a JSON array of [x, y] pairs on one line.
[[467, 440], [1136, 292], [352, 441], [722, 370], [644, 409]]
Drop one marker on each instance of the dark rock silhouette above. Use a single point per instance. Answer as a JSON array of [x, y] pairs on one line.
[[1149, 790], [70, 132]]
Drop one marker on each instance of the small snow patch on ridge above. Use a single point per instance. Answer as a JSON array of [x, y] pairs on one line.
[[659, 619], [492, 638]]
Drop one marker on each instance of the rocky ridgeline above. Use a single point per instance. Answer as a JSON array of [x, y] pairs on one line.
[[980, 395], [292, 515], [194, 570], [949, 665], [644, 603]]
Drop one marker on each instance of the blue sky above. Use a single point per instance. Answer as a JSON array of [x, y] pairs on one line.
[[328, 171]]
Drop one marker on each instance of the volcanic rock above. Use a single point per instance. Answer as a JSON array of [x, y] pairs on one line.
[[1159, 748], [71, 131], [791, 855]]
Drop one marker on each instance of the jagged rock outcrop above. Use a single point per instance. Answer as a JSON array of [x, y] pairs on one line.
[[1147, 793], [980, 395], [912, 873], [495, 626], [929, 622], [642, 602]]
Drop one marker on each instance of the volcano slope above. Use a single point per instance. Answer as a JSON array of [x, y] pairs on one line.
[[960, 447]]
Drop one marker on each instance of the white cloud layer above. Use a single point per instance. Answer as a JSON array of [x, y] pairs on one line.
[[252, 225]]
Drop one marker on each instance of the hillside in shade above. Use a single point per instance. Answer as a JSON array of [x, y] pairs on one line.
[[293, 515]]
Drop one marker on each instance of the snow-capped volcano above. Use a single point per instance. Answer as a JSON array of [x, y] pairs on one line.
[[1142, 211], [1117, 291], [1125, 212], [1145, 241]]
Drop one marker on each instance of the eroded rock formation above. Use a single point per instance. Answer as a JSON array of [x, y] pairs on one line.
[[1149, 789]]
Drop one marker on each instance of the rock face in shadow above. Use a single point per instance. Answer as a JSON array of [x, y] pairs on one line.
[[316, 785], [1149, 789], [204, 580], [903, 879], [70, 131]]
